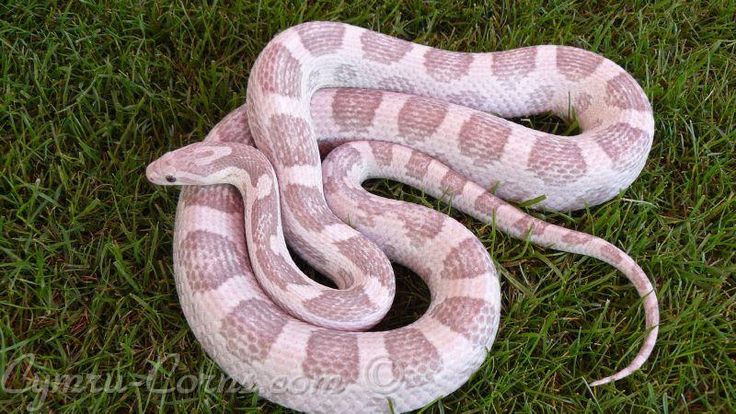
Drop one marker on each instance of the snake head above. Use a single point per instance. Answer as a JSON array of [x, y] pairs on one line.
[[195, 164]]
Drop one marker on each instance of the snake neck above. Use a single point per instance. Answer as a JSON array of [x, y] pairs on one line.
[[242, 166]]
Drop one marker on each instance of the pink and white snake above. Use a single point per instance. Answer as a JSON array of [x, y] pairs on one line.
[[409, 113]]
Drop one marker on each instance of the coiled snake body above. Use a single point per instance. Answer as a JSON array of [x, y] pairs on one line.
[[405, 112]]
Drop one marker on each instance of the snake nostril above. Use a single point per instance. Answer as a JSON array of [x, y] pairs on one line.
[[171, 178]]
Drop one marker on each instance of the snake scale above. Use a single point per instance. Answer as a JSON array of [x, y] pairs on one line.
[[430, 118]]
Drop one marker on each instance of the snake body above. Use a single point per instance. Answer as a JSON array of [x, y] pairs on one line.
[[403, 111]]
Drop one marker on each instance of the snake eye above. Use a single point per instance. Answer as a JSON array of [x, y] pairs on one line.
[[171, 178]]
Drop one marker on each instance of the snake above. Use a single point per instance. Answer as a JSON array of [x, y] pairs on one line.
[[330, 105]]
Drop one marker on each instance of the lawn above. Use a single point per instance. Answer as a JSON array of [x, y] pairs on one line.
[[91, 93]]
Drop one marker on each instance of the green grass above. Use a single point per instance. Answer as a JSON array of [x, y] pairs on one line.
[[90, 93]]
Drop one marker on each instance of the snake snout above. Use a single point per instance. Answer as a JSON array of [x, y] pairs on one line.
[[152, 173], [161, 172]]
